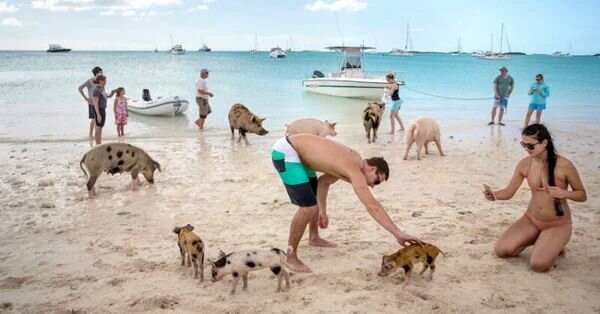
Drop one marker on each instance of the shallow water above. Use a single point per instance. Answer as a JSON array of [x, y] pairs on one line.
[[39, 99]]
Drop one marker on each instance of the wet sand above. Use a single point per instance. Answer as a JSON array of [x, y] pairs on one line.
[[60, 251]]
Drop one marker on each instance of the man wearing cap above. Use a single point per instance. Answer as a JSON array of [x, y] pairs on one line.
[[202, 95], [503, 87]]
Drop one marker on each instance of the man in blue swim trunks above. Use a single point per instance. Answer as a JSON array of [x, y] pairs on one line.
[[503, 87], [297, 158]]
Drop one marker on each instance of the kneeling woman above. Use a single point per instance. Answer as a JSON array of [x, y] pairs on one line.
[[547, 222]]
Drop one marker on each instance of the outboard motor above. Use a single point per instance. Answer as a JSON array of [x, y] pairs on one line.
[[318, 74], [146, 95]]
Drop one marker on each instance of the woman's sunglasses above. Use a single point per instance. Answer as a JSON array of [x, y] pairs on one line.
[[538, 79], [529, 146]]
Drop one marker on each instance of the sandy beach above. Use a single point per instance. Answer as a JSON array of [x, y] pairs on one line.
[[61, 252]]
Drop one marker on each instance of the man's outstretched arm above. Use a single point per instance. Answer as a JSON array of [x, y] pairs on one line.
[[379, 214]]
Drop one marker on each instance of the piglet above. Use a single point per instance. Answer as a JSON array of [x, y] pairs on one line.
[[240, 263], [311, 126], [191, 248], [406, 258]]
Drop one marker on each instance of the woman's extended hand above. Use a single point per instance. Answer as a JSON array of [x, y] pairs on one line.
[[556, 192]]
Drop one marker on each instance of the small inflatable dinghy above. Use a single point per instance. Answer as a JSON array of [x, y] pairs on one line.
[[162, 106]]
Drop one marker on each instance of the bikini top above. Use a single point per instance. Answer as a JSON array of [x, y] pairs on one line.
[[557, 182]]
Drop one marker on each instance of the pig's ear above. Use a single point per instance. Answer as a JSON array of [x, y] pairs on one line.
[[156, 165], [333, 124], [176, 230], [221, 253], [261, 120], [189, 227]]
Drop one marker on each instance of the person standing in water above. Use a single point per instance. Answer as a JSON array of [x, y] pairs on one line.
[[539, 91], [202, 96], [393, 89]]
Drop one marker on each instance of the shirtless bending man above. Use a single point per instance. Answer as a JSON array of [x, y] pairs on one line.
[[297, 157]]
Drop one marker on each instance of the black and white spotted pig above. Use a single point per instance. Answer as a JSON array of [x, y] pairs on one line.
[[240, 263], [117, 158]]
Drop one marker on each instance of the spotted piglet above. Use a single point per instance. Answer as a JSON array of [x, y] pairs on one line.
[[191, 248], [239, 264]]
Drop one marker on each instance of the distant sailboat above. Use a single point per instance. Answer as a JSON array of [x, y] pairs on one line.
[[408, 47], [255, 50], [499, 55], [204, 47], [458, 49], [289, 49]]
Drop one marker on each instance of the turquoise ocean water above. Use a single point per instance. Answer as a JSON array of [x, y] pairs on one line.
[[39, 99]]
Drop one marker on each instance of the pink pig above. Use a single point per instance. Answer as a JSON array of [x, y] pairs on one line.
[[311, 126], [422, 131]]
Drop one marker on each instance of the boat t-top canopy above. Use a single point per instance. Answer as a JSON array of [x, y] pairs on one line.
[[351, 56], [349, 48]]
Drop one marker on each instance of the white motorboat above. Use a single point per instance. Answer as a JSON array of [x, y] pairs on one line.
[[401, 53], [480, 53], [351, 80], [162, 106], [277, 53], [408, 47], [177, 50], [57, 48]]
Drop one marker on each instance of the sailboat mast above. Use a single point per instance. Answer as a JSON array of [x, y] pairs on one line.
[[501, 36], [492, 45]]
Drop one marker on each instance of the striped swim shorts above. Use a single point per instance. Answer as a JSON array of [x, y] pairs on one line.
[[300, 181]]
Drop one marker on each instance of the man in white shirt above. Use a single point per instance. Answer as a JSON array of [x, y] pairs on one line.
[[202, 95]]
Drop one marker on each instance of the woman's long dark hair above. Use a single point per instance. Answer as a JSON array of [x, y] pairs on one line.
[[541, 133]]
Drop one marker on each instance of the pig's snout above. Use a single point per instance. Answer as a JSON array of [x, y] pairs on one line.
[[263, 132]]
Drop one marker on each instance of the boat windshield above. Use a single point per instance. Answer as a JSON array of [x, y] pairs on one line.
[[351, 62]]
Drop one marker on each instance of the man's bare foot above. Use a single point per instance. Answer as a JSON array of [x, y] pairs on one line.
[[390, 132], [321, 242], [293, 263]]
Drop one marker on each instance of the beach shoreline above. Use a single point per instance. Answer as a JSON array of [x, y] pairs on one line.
[[61, 251]]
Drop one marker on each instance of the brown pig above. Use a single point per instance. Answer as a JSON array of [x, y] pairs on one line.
[[406, 258], [311, 126], [191, 248], [117, 158], [245, 121], [372, 118]]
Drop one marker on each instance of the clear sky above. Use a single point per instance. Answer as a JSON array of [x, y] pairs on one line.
[[531, 26]]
